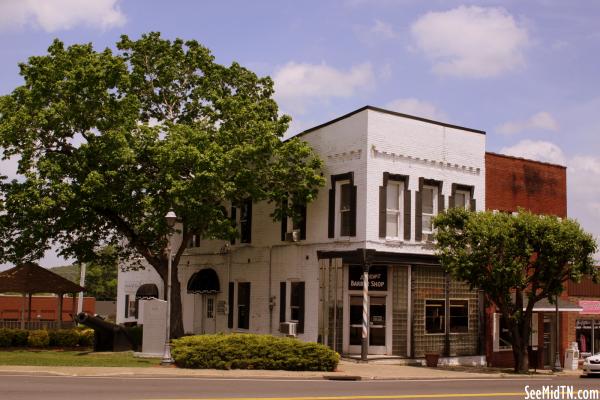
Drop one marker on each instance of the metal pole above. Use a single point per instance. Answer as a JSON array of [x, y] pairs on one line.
[[365, 323], [557, 366], [82, 284], [167, 358]]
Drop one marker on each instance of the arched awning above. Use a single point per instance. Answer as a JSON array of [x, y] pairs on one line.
[[204, 281], [147, 291]]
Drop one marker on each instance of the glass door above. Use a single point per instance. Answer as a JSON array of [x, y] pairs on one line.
[[209, 323], [377, 324]]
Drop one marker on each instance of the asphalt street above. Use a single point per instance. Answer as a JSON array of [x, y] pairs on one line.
[[50, 387]]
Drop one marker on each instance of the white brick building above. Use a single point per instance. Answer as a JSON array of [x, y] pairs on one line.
[[387, 175]]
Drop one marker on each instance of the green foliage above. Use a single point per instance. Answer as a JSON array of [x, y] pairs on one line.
[[20, 337], [249, 351], [108, 141], [86, 337], [516, 260], [63, 338], [38, 338], [6, 337]]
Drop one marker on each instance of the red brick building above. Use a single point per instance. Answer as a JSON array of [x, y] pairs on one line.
[[513, 183]]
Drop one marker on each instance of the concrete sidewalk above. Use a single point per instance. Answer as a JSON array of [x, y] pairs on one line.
[[347, 370]]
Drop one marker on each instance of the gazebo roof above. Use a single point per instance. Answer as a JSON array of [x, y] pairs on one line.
[[31, 278]]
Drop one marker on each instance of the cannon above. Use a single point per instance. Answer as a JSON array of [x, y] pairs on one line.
[[107, 336]]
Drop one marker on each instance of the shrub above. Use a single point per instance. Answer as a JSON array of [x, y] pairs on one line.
[[86, 337], [249, 351], [39, 338], [135, 333], [64, 338], [6, 337], [20, 337]]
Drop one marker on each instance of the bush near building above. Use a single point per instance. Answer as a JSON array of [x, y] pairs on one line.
[[249, 351], [43, 338]]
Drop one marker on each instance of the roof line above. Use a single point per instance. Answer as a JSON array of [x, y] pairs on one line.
[[398, 114], [527, 159]]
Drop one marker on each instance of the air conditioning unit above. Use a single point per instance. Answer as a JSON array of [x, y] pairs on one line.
[[288, 328], [293, 236]]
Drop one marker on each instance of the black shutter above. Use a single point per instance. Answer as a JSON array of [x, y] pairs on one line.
[[418, 217], [331, 216], [450, 202], [473, 205], [283, 226], [247, 226], [382, 211], [233, 221], [353, 210], [301, 290], [407, 201], [230, 305], [440, 201], [126, 306], [282, 301], [302, 222]]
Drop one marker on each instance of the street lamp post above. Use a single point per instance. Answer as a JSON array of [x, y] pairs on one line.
[[167, 359], [557, 365]]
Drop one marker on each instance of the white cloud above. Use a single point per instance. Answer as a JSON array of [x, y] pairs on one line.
[[417, 108], [471, 42], [55, 15], [299, 84], [539, 121], [537, 150]]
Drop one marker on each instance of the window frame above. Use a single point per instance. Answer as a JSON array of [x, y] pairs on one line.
[[339, 221], [468, 319], [442, 316], [240, 306], [467, 195], [434, 197]]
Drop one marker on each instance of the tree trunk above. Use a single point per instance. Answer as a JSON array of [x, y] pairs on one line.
[[176, 307], [521, 356]]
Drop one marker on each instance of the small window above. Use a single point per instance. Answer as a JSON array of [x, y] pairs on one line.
[[504, 335], [459, 316], [193, 241], [429, 204], [393, 213], [345, 209], [243, 305], [210, 307], [435, 310]]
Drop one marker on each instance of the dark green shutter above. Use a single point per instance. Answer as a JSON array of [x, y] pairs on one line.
[[382, 211], [353, 210], [418, 217], [473, 205], [230, 305], [282, 301], [331, 216], [407, 201]]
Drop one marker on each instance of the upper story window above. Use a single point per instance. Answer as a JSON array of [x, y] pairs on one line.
[[394, 207], [246, 221], [394, 197], [462, 197], [294, 229], [430, 207], [342, 206]]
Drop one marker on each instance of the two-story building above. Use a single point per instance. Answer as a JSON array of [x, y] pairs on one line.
[[388, 174]]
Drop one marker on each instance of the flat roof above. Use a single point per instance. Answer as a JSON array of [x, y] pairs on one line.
[[398, 114], [526, 159]]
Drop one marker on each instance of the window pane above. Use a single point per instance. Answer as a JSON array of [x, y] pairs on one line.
[[459, 200], [392, 224], [434, 316], [427, 223], [393, 199], [346, 190], [244, 305], [459, 316], [427, 200]]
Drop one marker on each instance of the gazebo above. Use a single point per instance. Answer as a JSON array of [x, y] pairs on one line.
[[30, 278]]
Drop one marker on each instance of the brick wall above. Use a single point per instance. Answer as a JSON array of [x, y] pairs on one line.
[[516, 182]]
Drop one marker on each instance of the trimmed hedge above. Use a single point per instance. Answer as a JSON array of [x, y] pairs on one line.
[[42, 338], [250, 351]]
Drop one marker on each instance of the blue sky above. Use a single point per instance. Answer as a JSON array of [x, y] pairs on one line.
[[526, 72]]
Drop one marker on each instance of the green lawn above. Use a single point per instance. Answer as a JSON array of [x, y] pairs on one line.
[[74, 359]]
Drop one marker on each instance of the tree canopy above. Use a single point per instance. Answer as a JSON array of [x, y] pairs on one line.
[[516, 260], [108, 141]]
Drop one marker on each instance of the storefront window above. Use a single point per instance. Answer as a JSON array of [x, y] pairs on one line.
[[587, 334], [435, 310], [459, 316]]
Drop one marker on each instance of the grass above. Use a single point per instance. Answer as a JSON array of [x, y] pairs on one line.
[[74, 359]]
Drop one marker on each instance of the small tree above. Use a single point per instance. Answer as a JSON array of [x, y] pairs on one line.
[[513, 258], [108, 141]]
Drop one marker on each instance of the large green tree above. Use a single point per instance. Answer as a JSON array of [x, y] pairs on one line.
[[108, 141], [516, 260]]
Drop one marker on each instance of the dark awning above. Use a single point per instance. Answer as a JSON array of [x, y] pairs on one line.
[[147, 291], [204, 281]]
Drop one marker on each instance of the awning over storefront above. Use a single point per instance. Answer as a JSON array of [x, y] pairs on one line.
[[589, 307], [204, 281], [147, 291], [544, 305]]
